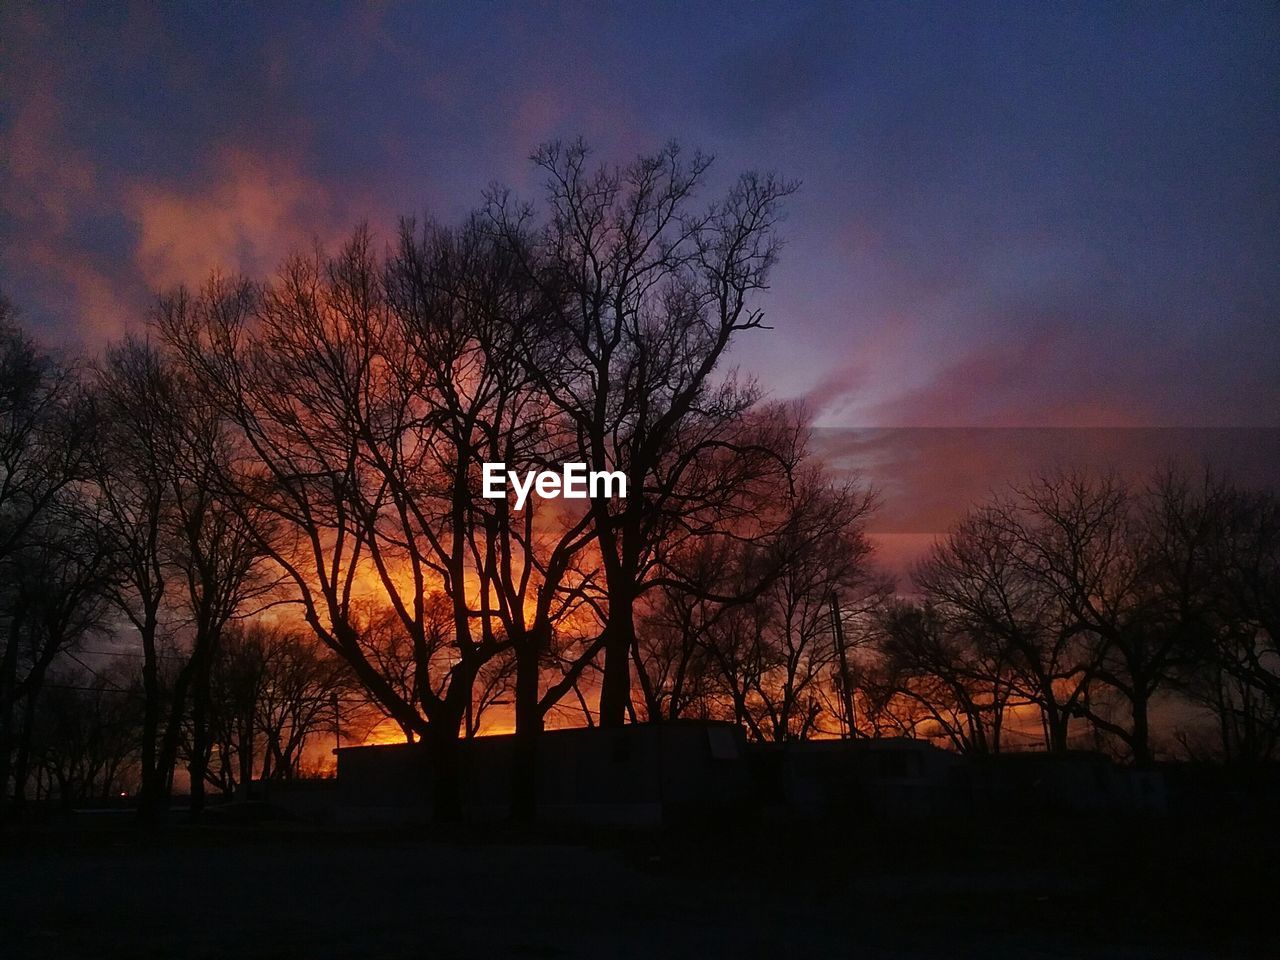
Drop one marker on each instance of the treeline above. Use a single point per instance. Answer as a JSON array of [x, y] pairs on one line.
[[132, 589], [1080, 598], [270, 504]]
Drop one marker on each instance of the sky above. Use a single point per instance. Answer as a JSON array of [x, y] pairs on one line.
[[1011, 215]]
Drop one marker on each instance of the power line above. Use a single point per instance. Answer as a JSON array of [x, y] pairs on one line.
[[129, 653]]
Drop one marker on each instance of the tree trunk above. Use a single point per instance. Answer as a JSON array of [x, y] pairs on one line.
[[1141, 740], [23, 763], [529, 722], [442, 741], [198, 766], [615, 686], [8, 688], [151, 788], [244, 753], [167, 754], [1056, 722]]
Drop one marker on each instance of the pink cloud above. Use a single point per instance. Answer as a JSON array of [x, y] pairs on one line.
[[246, 215], [1043, 380]]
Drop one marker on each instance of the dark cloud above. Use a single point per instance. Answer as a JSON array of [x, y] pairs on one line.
[[784, 68]]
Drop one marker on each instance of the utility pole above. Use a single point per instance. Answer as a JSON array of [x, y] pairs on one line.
[[846, 687], [337, 727]]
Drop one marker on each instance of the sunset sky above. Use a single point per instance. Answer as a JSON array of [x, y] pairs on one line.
[[1011, 215]]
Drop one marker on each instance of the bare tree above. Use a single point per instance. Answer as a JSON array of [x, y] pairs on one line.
[[341, 451], [937, 678], [275, 692], [215, 539], [463, 302], [1022, 643], [43, 428], [743, 627], [1072, 589], [367, 398], [1085, 539], [87, 731], [647, 294], [1246, 556], [1218, 560], [186, 551], [129, 463], [58, 600]]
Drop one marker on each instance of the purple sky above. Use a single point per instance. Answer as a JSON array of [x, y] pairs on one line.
[[1011, 214]]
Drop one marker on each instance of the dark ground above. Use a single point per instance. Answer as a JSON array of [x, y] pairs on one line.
[[1064, 889]]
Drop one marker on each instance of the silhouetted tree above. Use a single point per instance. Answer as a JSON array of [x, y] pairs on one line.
[[742, 626], [1218, 556], [186, 548], [344, 458], [129, 465], [938, 678], [43, 429], [57, 600], [87, 733], [1022, 642], [647, 293], [274, 692], [1085, 538], [462, 302]]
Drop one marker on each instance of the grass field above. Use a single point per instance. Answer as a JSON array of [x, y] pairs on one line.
[[1071, 889]]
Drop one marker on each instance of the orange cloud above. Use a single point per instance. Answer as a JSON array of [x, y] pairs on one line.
[[245, 218]]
